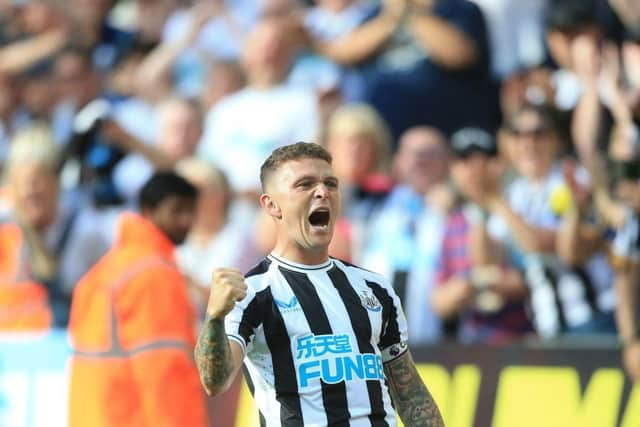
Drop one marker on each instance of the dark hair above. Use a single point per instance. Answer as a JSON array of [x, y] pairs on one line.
[[163, 185], [566, 15], [297, 151]]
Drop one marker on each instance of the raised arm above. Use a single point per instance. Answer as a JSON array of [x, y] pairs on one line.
[[447, 45], [367, 39], [20, 55], [411, 398], [158, 64], [528, 237], [219, 359]]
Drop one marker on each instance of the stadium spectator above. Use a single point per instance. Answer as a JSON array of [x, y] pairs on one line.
[[34, 34], [39, 265], [403, 238], [359, 141], [179, 124], [132, 324], [565, 21], [76, 84], [478, 288], [419, 63], [221, 235], [277, 112], [528, 217], [618, 206], [607, 117]]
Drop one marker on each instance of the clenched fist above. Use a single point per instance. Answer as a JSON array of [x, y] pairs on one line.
[[227, 287]]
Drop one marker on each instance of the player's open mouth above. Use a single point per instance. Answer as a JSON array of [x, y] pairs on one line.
[[320, 218]]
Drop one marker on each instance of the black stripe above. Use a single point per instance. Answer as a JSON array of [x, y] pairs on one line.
[[362, 328], [390, 327], [251, 318], [261, 268], [284, 370], [553, 278], [334, 396], [252, 389], [589, 291]]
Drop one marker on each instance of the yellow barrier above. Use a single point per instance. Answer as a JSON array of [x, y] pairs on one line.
[[526, 396]]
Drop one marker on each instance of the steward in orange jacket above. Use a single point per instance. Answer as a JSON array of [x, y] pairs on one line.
[[132, 325], [31, 295], [24, 303]]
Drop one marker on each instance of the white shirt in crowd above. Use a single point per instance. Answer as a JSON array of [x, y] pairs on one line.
[[516, 33], [244, 128], [232, 247]]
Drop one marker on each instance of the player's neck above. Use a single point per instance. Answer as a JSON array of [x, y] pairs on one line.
[[301, 255]]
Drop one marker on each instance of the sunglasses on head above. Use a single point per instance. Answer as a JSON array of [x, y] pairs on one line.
[[536, 132]]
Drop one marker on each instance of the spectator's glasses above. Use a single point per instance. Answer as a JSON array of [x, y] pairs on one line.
[[535, 132]]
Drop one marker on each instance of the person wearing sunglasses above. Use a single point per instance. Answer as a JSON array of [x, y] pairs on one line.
[[568, 296]]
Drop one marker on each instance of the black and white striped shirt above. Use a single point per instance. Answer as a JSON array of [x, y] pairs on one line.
[[315, 340]]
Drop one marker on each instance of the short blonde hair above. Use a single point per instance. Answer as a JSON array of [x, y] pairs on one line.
[[362, 119], [33, 144]]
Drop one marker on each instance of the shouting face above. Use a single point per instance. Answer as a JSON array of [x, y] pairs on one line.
[[302, 196]]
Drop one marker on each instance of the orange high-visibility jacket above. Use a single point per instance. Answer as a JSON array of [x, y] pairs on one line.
[[132, 328], [24, 303]]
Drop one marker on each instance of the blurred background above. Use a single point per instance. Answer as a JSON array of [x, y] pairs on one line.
[[488, 153]]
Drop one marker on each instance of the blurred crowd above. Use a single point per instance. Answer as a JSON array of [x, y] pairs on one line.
[[488, 151]]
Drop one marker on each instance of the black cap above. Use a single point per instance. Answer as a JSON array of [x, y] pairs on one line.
[[469, 140], [565, 15]]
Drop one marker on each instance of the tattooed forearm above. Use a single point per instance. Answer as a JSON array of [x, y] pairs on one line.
[[413, 401], [213, 356]]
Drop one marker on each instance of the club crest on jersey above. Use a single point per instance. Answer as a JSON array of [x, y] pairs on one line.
[[369, 301], [287, 307]]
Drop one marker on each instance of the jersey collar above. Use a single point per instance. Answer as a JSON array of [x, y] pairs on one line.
[[285, 263]]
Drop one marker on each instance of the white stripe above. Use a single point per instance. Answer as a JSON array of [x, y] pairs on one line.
[[311, 404]]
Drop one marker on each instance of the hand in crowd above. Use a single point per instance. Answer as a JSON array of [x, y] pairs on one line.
[[401, 9], [580, 194], [396, 9], [492, 183], [586, 60]]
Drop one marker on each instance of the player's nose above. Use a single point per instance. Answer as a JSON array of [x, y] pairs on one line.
[[321, 191]]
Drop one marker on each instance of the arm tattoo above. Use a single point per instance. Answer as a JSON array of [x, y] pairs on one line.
[[213, 356], [413, 401]]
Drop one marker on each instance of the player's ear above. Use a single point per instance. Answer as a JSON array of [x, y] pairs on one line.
[[270, 206]]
